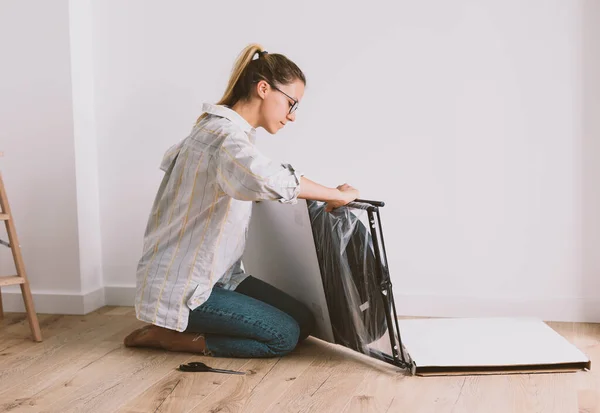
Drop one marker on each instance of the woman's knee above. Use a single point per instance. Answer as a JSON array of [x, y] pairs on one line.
[[285, 337]]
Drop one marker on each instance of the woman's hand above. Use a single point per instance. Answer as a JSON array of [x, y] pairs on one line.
[[346, 194], [334, 197]]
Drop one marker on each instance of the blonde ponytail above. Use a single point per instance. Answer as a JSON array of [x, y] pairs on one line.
[[245, 57], [241, 63]]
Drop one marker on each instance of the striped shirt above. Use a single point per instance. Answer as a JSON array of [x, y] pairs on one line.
[[196, 232]]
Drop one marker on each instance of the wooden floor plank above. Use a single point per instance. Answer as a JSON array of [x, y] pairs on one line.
[[280, 378], [300, 396], [182, 391], [375, 393], [30, 358], [105, 385], [232, 394], [82, 365], [48, 375]]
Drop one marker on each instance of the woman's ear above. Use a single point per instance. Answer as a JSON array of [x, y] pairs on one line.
[[262, 89]]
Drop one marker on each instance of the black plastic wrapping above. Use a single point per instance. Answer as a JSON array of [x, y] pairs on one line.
[[356, 283]]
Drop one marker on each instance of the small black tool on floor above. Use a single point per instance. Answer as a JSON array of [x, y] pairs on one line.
[[196, 366]]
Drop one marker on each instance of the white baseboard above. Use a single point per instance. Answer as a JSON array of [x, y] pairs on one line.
[[49, 302], [94, 300], [571, 309], [55, 303]]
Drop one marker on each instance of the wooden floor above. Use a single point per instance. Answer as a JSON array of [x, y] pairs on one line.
[[82, 366]]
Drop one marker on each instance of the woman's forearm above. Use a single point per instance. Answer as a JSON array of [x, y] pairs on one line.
[[317, 192]]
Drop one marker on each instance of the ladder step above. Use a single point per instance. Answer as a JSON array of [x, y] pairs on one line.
[[4, 217], [11, 280]]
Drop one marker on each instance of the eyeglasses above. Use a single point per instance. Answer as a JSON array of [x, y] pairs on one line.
[[294, 106]]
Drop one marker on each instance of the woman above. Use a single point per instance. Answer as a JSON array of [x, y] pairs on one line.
[[191, 288]]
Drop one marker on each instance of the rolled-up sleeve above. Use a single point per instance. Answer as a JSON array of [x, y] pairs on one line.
[[246, 174]]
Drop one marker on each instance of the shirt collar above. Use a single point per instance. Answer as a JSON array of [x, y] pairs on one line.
[[230, 114]]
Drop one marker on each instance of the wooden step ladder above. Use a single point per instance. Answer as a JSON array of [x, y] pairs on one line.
[[21, 277]]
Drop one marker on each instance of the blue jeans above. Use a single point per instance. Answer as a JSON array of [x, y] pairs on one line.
[[255, 320]]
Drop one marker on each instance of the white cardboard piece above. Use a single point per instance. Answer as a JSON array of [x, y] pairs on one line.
[[488, 345], [280, 250]]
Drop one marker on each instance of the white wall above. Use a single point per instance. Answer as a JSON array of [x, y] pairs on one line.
[[36, 135], [86, 146], [475, 122], [50, 165], [467, 118]]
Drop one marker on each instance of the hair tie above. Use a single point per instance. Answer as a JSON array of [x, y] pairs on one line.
[[258, 55]]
